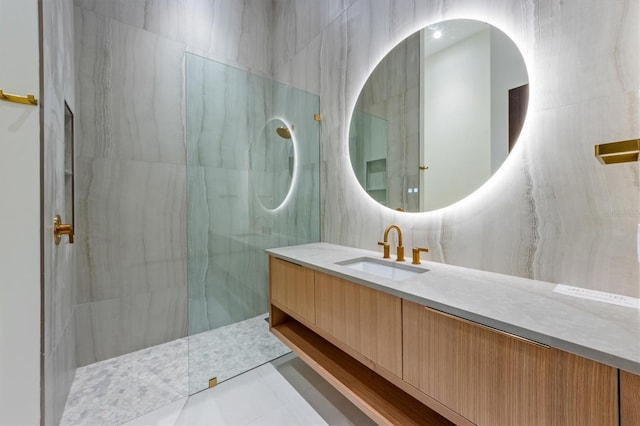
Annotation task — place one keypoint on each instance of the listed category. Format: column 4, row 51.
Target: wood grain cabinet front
column 487, row 377
column 367, row 320
column 467, row 372
column 629, row 399
column 292, row 289
column 493, row 378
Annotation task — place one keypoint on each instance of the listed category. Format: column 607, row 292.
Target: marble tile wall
column 552, row 212
column 59, row 86
column 132, row 212
column 130, row 188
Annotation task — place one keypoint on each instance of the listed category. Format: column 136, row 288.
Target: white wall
column 20, row 216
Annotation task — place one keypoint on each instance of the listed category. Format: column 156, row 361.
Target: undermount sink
column 394, row 271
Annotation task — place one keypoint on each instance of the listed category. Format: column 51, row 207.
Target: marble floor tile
column 116, row 390
column 119, row 389
column 228, row 351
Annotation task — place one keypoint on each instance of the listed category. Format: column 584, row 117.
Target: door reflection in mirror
column 437, row 117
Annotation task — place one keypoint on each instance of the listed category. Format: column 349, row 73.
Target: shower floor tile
column 119, row 389
column 231, row 350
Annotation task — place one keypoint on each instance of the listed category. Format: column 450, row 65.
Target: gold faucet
column 416, row 254
column 385, row 243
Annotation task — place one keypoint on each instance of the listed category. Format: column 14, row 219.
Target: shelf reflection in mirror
column 438, row 116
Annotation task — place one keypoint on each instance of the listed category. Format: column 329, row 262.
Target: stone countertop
column 600, row 331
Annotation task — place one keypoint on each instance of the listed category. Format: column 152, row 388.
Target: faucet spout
column 400, row 249
column 389, row 228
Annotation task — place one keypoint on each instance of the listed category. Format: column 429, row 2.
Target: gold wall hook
column 27, row 100
column 60, row 229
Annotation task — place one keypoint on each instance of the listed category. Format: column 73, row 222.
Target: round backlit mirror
column 438, row 115
column 271, row 163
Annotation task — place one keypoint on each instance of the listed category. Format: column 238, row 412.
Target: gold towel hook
column 27, row 100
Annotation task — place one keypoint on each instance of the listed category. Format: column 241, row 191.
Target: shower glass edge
column 242, row 198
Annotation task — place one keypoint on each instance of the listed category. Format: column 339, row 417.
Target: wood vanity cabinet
column 493, row 378
column 366, row 320
column 292, row 289
column 418, row 357
column 487, row 377
column 629, row 399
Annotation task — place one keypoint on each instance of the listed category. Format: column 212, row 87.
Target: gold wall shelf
column 27, row 100
column 618, row 152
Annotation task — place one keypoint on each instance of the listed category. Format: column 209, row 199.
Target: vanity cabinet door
column 368, row 321
column 493, row 378
column 486, row 376
column 583, row 392
column 629, row 399
column 291, row 289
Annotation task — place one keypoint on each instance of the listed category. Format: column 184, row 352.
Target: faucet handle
column 416, row 254
column 385, row 249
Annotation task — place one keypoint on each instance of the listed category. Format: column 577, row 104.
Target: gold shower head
column 283, row 132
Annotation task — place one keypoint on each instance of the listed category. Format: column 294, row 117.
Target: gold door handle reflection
column 60, row 229
column 423, row 167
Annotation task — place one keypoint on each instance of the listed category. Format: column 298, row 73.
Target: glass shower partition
column 252, row 184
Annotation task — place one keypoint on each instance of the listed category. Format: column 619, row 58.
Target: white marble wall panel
column 297, row 23
column 301, row 70
column 59, row 260
column 162, row 17
column 298, row 37
column 551, row 212
column 60, row 367
column 586, row 212
column 601, row 63
column 108, row 328
column 132, row 214
column 236, row 32
column 131, row 83
column 131, row 183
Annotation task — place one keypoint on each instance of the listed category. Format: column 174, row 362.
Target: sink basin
column 394, row 271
